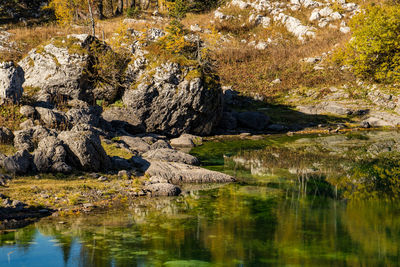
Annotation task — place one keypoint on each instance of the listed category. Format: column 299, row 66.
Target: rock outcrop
column 58, row 67
column 84, row 150
column 50, row 156
column 11, row 80
column 170, row 102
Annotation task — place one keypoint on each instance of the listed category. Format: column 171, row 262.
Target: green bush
column 133, row 12
column 374, row 51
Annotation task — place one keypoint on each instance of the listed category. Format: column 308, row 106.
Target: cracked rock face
column 11, row 80
column 85, row 151
column 50, row 156
column 56, row 69
column 168, row 103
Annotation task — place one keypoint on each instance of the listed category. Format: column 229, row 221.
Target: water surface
column 270, row 218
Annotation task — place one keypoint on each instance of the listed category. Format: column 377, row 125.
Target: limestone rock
column 171, row 155
column 18, row 164
column 182, row 173
column 135, row 143
column 85, row 151
column 50, row 156
column 166, row 102
column 163, row 189
column 11, row 80
column 186, row 141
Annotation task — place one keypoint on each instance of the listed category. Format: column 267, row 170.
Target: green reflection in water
column 228, row 226
column 261, row 221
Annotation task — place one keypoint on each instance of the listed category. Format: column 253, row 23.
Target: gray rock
column 89, row 115
column 56, row 69
column 171, row 155
column 182, row 173
column 163, row 189
column 52, row 118
column 186, row 141
column 157, row 179
column 102, row 179
column 120, row 163
column 135, row 143
column 125, row 174
column 160, row 144
column 28, row 124
column 6, row 136
column 27, row 138
column 167, row 103
column 27, row 111
column 365, row 124
column 20, row 163
column 123, row 118
column 51, row 155
column 11, row 80
column 85, row 151
column 252, row 120
column 23, row 140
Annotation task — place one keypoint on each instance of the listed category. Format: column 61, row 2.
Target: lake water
column 272, row 217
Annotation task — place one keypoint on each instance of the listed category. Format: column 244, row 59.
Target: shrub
column 133, row 12
column 374, row 51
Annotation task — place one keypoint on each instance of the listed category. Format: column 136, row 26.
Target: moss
column 113, row 151
column 10, row 116
column 31, row 62
column 72, row 44
column 7, row 149
column 193, row 74
column 118, row 104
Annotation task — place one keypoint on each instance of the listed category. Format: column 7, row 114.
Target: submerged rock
column 163, row 189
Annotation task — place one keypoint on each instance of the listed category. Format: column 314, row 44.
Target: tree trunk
column 92, row 19
column 133, row 3
column 100, row 9
column 120, row 8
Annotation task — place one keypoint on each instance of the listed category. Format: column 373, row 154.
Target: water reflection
column 229, row 226
column 262, row 222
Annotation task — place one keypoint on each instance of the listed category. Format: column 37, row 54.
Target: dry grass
column 252, row 71
column 10, row 116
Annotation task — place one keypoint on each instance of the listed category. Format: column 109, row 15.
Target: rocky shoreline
column 114, row 131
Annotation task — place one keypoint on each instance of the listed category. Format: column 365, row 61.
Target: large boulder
column 172, row 99
column 50, row 156
column 58, row 67
column 135, row 143
column 52, row 118
column 20, row 163
column 28, row 138
column 11, row 80
column 85, row 151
